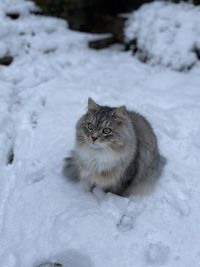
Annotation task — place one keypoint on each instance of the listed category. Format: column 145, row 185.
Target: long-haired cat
column 114, row 147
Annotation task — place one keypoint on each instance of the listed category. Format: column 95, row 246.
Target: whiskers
column 81, row 139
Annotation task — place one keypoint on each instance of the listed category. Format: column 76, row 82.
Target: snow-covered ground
column 43, row 92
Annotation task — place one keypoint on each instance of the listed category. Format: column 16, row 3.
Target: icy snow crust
column 43, row 216
column 166, row 33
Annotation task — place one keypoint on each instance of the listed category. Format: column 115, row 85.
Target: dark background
column 94, row 16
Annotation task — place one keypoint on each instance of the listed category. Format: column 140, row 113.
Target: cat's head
column 103, row 127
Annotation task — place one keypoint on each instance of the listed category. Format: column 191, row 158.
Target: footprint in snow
column 129, row 217
column 35, row 172
column 34, row 115
column 34, row 119
column 157, row 254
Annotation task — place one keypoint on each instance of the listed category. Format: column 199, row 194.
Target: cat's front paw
column 86, row 185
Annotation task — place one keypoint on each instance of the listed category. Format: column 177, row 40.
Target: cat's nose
column 94, row 138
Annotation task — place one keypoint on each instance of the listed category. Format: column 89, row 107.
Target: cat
column 114, row 148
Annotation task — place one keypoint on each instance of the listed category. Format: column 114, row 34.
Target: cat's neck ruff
column 100, row 159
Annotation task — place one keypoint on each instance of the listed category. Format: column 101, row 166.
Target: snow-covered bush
column 165, row 33
column 11, row 29
column 27, row 34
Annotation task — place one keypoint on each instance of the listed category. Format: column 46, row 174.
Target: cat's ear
column 120, row 112
column 92, row 106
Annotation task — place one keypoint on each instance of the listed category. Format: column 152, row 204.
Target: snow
column 166, row 33
column 46, row 218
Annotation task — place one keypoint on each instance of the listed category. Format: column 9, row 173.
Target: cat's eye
column 90, row 126
column 107, row 130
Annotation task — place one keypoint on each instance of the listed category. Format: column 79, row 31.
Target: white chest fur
column 99, row 160
column 96, row 162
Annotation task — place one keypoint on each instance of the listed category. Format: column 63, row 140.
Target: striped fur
column 115, row 160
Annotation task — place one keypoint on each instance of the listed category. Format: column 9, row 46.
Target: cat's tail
column 70, row 168
column 161, row 164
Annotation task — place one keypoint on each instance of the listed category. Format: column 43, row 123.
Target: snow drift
column 166, row 33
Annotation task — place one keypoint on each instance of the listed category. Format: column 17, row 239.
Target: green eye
column 90, row 126
column 107, row 130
